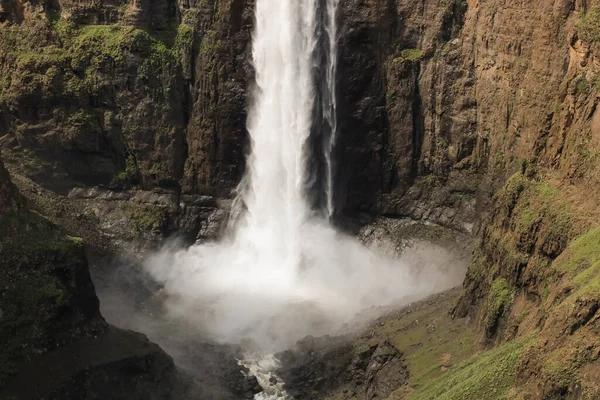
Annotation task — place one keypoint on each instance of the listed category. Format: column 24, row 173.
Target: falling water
column 329, row 100
column 279, row 125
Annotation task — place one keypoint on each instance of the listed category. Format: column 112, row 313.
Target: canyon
column 468, row 124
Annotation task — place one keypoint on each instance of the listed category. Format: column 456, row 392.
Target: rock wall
column 454, row 97
column 440, row 101
column 398, row 140
column 159, row 103
column 468, row 95
column 148, row 95
column 51, row 323
column 534, row 267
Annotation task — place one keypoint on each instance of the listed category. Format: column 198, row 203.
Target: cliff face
column 456, row 98
column 107, row 95
column 117, row 94
column 148, row 95
column 450, row 111
column 534, row 267
column 400, row 86
column 468, row 95
column 50, row 323
column 440, row 101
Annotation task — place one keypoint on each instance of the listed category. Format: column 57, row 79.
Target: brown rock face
column 162, row 89
column 148, row 95
column 411, row 119
column 218, row 71
column 442, row 101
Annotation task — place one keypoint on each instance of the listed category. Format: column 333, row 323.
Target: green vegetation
column 184, row 41
column 76, row 240
column 130, row 173
column 512, row 190
column 531, row 204
column 525, row 219
column 409, row 56
column 54, row 57
column 581, row 262
column 582, row 253
column 588, row 25
column 582, row 85
column 442, row 142
column 499, row 159
column 489, row 375
column 499, row 302
column 432, row 343
column 146, row 218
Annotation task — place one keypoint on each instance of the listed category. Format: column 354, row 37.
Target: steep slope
column 496, row 116
column 534, row 270
column 51, row 326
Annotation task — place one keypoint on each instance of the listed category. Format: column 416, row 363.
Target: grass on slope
column 431, row 344
column 489, row 375
column 431, row 341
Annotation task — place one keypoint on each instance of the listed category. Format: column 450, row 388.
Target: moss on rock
column 146, row 218
column 588, row 25
column 499, row 302
column 46, row 295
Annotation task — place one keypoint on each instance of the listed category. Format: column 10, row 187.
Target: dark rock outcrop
column 395, row 80
column 55, row 342
column 10, row 199
column 318, row 367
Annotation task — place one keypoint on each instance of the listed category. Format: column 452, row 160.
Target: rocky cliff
column 121, row 95
column 50, row 323
column 476, row 115
column 440, row 101
column 488, row 109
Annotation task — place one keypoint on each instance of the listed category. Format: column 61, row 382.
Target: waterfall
column 279, row 124
column 282, row 272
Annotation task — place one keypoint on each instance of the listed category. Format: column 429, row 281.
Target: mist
column 242, row 290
